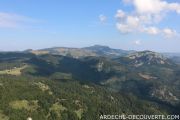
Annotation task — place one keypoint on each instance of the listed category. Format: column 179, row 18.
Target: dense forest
column 55, row 87
column 41, row 99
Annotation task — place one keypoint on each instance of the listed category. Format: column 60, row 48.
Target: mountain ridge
column 95, row 50
column 87, row 85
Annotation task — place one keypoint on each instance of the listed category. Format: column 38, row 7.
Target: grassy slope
column 13, row 71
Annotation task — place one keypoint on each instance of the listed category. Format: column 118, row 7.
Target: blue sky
column 123, row 24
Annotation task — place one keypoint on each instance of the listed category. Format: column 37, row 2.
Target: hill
column 50, row 86
column 96, row 50
column 107, row 51
column 43, row 99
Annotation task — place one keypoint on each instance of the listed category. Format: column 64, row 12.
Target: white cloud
column 152, row 30
column 169, row 32
column 133, row 21
column 153, row 6
column 126, row 23
column 123, row 28
column 102, row 18
column 120, row 14
column 127, row 1
column 137, row 42
column 155, row 9
column 149, row 6
column 147, row 15
column 174, row 7
column 10, row 20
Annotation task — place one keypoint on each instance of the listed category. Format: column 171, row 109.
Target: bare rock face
column 100, row 66
column 147, row 57
column 164, row 94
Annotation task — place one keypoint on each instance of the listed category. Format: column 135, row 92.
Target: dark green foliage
column 72, row 95
column 71, row 89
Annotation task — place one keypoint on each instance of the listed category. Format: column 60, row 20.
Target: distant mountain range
column 146, row 76
column 120, row 69
column 96, row 50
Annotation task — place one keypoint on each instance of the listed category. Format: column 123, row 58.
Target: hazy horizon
column 84, row 47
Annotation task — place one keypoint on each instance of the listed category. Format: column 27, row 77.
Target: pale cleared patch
column 14, row 71
column 138, row 65
column 91, row 89
column 39, row 52
column 100, row 66
column 44, row 87
column 24, row 104
column 57, row 108
column 146, row 76
column 79, row 113
column 113, row 80
column 164, row 94
column 86, row 86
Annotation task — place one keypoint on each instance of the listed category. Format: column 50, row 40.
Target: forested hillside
column 54, row 87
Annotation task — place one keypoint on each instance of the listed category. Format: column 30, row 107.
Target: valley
column 63, row 86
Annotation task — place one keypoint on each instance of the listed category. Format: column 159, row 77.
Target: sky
column 123, row 24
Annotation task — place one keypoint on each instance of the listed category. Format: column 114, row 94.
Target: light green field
column 57, row 108
column 79, row 113
column 24, row 104
column 14, row 71
column 44, row 87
